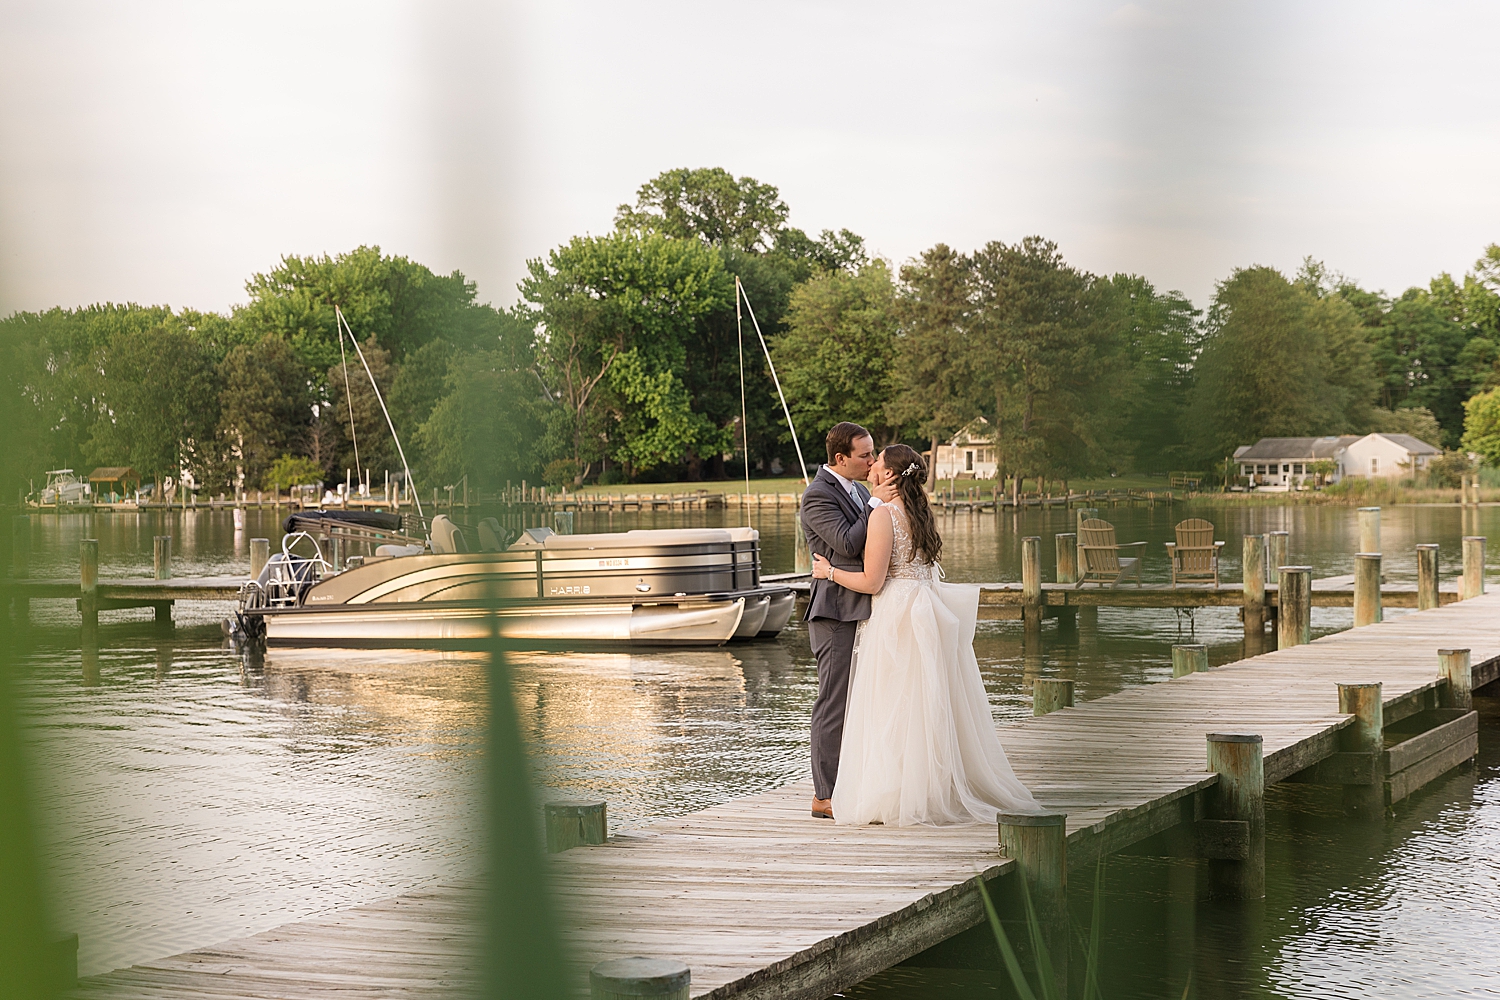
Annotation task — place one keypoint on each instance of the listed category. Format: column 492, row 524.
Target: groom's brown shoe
column 822, row 808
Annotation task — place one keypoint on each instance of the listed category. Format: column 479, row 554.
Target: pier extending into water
column 759, row 899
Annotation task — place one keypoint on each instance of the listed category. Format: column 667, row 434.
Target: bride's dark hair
column 911, row 486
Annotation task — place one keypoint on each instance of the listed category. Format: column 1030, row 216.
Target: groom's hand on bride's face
column 886, row 491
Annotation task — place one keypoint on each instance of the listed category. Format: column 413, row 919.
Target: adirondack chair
column 1099, row 556
column 1195, row 554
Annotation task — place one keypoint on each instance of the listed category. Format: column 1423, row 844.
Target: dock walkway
column 761, row 900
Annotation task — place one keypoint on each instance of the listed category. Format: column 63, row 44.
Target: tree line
column 623, row 360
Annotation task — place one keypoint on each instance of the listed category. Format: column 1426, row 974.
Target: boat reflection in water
column 684, row 586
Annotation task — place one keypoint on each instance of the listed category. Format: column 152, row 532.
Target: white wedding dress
column 919, row 744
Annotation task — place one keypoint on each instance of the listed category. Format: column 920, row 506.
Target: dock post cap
column 1032, row 819
column 1282, row 532
column 640, row 976
column 573, row 806
column 1369, row 508
column 1234, row 738
column 1367, row 555
column 1189, row 645
column 1428, row 545
column 1451, row 652
column 1295, row 569
column 1475, row 538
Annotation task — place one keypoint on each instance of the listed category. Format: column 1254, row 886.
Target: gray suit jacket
column 835, row 527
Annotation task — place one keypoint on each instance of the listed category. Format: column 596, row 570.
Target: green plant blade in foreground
column 1012, row 965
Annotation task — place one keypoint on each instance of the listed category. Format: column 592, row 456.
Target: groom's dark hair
column 842, row 437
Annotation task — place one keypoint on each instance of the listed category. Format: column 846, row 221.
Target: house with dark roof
column 1289, row 462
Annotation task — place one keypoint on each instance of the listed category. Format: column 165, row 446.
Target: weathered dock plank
column 761, row 900
column 203, row 588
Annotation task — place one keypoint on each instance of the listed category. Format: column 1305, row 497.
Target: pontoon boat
column 690, row 586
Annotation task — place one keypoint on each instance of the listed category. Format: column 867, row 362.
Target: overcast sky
column 162, row 152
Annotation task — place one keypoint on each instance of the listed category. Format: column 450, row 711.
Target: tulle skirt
column 920, row 745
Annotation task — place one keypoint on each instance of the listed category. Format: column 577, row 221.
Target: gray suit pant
column 833, row 645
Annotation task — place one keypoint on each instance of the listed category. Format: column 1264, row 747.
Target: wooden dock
column 1007, row 600
column 761, row 900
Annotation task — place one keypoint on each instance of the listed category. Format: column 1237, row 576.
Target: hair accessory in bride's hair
column 910, row 469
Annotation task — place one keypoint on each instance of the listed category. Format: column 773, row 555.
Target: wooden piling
column 20, row 561
column 1031, row 584
column 803, row 555
column 1189, row 658
column 570, row 824
column 1253, row 572
column 1366, row 589
column 1427, row 576
column 1239, row 796
column 1048, row 694
column 88, row 601
column 260, row 554
column 1039, row 844
column 1067, row 557
column 1472, row 584
column 1294, row 607
column 640, row 978
column 1454, row 667
column 161, row 557
column 1369, row 529
column 1276, row 546
column 1365, row 737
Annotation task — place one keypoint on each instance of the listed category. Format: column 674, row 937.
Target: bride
column 919, row 743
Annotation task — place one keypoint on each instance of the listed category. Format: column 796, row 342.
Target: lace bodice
column 904, row 562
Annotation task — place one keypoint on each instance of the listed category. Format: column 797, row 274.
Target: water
column 190, row 797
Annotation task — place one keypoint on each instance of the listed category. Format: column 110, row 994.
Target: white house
column 1284, row 463
column 1388, row 455
column 969, row 454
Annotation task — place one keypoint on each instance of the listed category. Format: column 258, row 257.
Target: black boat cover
column 316, row 520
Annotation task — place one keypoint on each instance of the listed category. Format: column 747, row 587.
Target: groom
column 835, row 509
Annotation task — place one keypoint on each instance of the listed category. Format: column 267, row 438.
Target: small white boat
column 63, row 487
column 656, row 587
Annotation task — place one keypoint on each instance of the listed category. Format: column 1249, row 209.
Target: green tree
column 933, row 392
column 398, row 302
column 265, row 405
column 599, row 299
column 836, row 357
column 1154, row 336
column 1482, row 425
column 1263, row 367
column 487, row 425
column 368, row 434
column 744, row 221
column 1417, row 350
column 158, row 398
column 1414, row 420
column 1041, row 336
column 708, row 204
column 291, row 470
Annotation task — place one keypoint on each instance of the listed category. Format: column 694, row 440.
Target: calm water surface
column 190, row 796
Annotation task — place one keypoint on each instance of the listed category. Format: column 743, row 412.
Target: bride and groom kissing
column 901, row 728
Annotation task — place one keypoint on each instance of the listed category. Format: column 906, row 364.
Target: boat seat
column 446, row 537
column 399, row 550
column 491, row 536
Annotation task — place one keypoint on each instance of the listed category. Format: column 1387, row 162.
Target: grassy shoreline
column 1366, row 495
